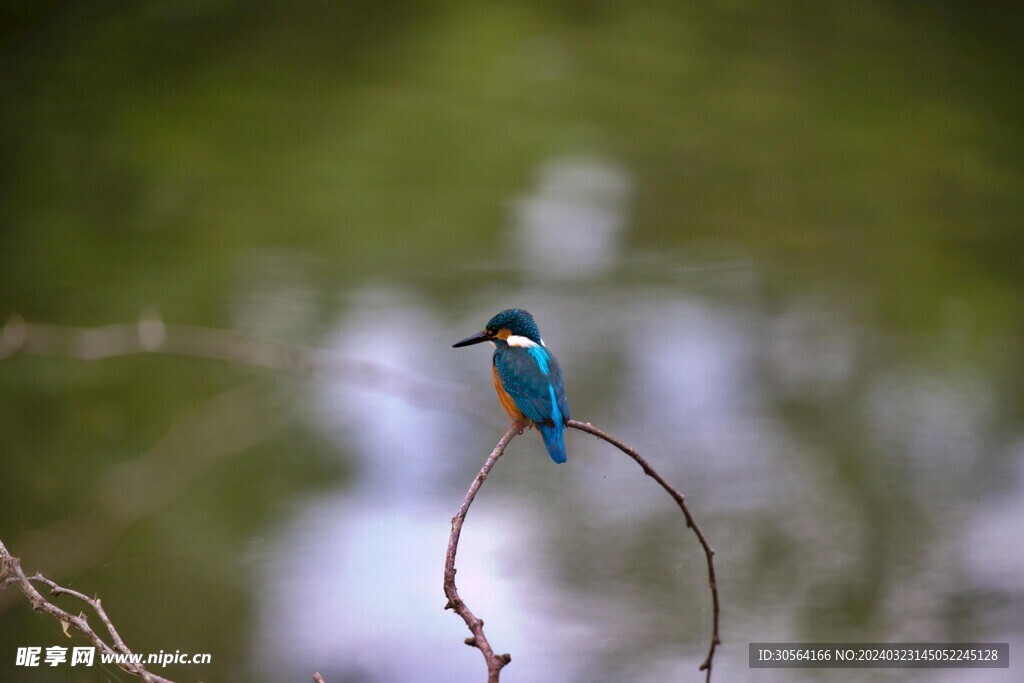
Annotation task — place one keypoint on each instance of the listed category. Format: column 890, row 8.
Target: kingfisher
column 526, row 376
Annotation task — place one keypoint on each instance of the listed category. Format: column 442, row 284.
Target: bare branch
column 13, row 574
column 475, row 624
column 496, row 662
column 152, row 335
column 709, row 552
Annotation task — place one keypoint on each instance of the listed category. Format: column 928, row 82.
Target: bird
column 526, row 376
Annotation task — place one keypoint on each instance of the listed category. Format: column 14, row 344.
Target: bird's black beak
column 475, row 339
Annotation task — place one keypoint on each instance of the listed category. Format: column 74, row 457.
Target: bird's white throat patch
column 523, row 342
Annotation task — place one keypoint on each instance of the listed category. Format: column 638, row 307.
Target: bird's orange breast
column 506, row 401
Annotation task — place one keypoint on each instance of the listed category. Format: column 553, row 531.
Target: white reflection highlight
column 994, row 531
column 354, row 591
column 395, row 441
column 571, row 225
column 274, row 295
column 693, row 368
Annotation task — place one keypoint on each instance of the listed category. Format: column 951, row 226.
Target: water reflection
column 776, row 249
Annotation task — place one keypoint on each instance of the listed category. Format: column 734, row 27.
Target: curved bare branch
column 709, row 552
column 478, row 640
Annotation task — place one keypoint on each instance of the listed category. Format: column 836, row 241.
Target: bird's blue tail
column 554, row 440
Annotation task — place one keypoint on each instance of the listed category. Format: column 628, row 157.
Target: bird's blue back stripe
column 556, row 414
column 541, row 356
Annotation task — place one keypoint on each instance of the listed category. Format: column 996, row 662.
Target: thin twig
column 153, row 336
column 709, row 552
column 13, row 574
column 475, row 624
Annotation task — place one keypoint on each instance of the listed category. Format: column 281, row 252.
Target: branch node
column 17, row 577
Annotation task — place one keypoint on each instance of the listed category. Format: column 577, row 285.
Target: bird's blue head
column 514, row 323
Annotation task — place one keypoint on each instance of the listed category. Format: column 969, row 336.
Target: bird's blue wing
column 532, row 378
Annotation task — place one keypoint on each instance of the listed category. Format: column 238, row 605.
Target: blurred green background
column 776, row 246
